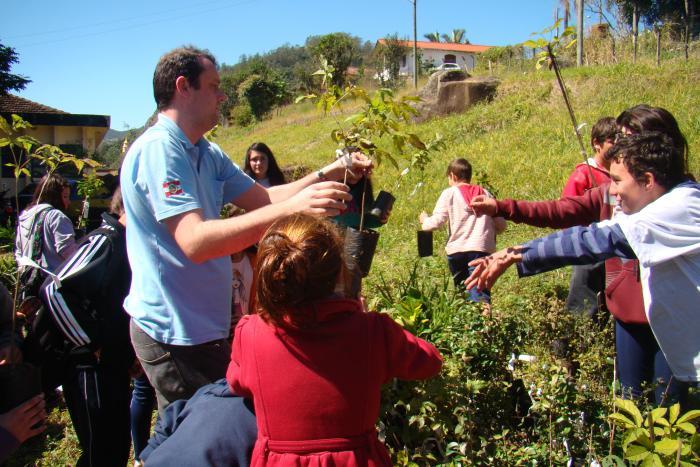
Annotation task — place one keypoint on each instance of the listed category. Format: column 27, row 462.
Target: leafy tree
column 262, row 93
column 10, row 81
column 339, row 50
column 389, row 57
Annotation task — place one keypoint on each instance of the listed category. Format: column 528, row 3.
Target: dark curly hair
column 300, row 260
column 643, row 117
column 274, row 174
column 650, row 152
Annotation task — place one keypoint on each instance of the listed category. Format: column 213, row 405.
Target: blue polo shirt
column 174, row 300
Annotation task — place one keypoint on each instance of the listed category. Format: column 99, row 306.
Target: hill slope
column 522, row 142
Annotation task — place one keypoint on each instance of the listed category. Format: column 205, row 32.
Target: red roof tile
column 18, row 105
column 447, row 46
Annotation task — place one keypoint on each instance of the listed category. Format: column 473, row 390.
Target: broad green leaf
column 415, row 141
column 618, row 417
column 636, row 435
column 530, row 43
column 652, row 460
column 636, row 453
column 4, row 142
column 673, row 413
column 687, row 427
column 688, row 416
column 667, row 446
column 628, row 406
column 658, row 413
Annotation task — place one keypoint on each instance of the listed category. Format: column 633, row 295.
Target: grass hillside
column 521, row 143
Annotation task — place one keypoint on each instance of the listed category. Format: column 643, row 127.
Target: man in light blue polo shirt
column 174, row 183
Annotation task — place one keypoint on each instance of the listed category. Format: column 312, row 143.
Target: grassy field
column 521, row 145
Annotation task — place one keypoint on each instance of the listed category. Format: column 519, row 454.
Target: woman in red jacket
column 312, row 359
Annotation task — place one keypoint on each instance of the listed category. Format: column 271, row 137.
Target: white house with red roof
column 437, row 53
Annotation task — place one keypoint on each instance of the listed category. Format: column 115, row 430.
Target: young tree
column 10, row 81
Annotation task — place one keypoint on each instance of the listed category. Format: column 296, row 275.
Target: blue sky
column 98, row 57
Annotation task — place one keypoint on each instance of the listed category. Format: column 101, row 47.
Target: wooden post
column 658, row 46
column 688, row 19
column 415, row 47
column 635, row 30
column 579, row 32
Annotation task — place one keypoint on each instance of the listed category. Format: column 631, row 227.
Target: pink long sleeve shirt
column 467, row 231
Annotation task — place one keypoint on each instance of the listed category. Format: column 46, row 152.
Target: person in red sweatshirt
column 312, row 359
column 588, row 281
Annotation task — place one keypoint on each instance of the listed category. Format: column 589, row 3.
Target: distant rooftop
column 40, row 114
column 16, row 105
column 447, row 46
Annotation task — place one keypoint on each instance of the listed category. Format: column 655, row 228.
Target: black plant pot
column 425, row 243
column 382, row 206
column 360, row 247
column 19, row 382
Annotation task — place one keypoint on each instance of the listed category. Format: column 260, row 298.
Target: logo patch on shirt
column 172, row 188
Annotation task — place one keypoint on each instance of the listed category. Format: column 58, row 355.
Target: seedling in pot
column 382, row 116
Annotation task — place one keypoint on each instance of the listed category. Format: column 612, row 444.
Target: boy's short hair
column 460, row 168
column 604, row 130
column 653, row 152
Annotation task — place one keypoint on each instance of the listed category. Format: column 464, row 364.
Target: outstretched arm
column 578, row 245
column 557, row 214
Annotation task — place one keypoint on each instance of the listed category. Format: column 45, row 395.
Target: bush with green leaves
column 661, row 437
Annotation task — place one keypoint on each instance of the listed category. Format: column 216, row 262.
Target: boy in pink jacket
column 471, row 236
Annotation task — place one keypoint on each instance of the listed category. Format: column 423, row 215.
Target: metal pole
column 579, row 32
column 415, row 47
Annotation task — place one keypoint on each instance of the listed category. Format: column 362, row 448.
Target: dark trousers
column 143, row 401
column 460, row 269
column 640, row 362
column 97, row 396
column 177, row 371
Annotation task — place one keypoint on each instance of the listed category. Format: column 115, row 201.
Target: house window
column 403, row 62
column 449, row 58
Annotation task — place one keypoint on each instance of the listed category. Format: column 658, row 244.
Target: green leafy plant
column 661, row 437
column 89, row 186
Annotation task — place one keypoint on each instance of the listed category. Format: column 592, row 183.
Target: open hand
column 483, row 204
column 321, row 199
column 488, row 269
column 21, row 420
column 357, row 166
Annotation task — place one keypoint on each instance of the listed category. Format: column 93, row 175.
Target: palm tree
column 457, row 37
column 433, row 36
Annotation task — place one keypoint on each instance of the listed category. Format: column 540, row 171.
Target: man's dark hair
column 460, row 168
column 653, row 152
column 184, row 61
column 604, row 130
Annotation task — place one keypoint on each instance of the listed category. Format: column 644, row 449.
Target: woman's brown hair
column 300, row 259
column 49, row 190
